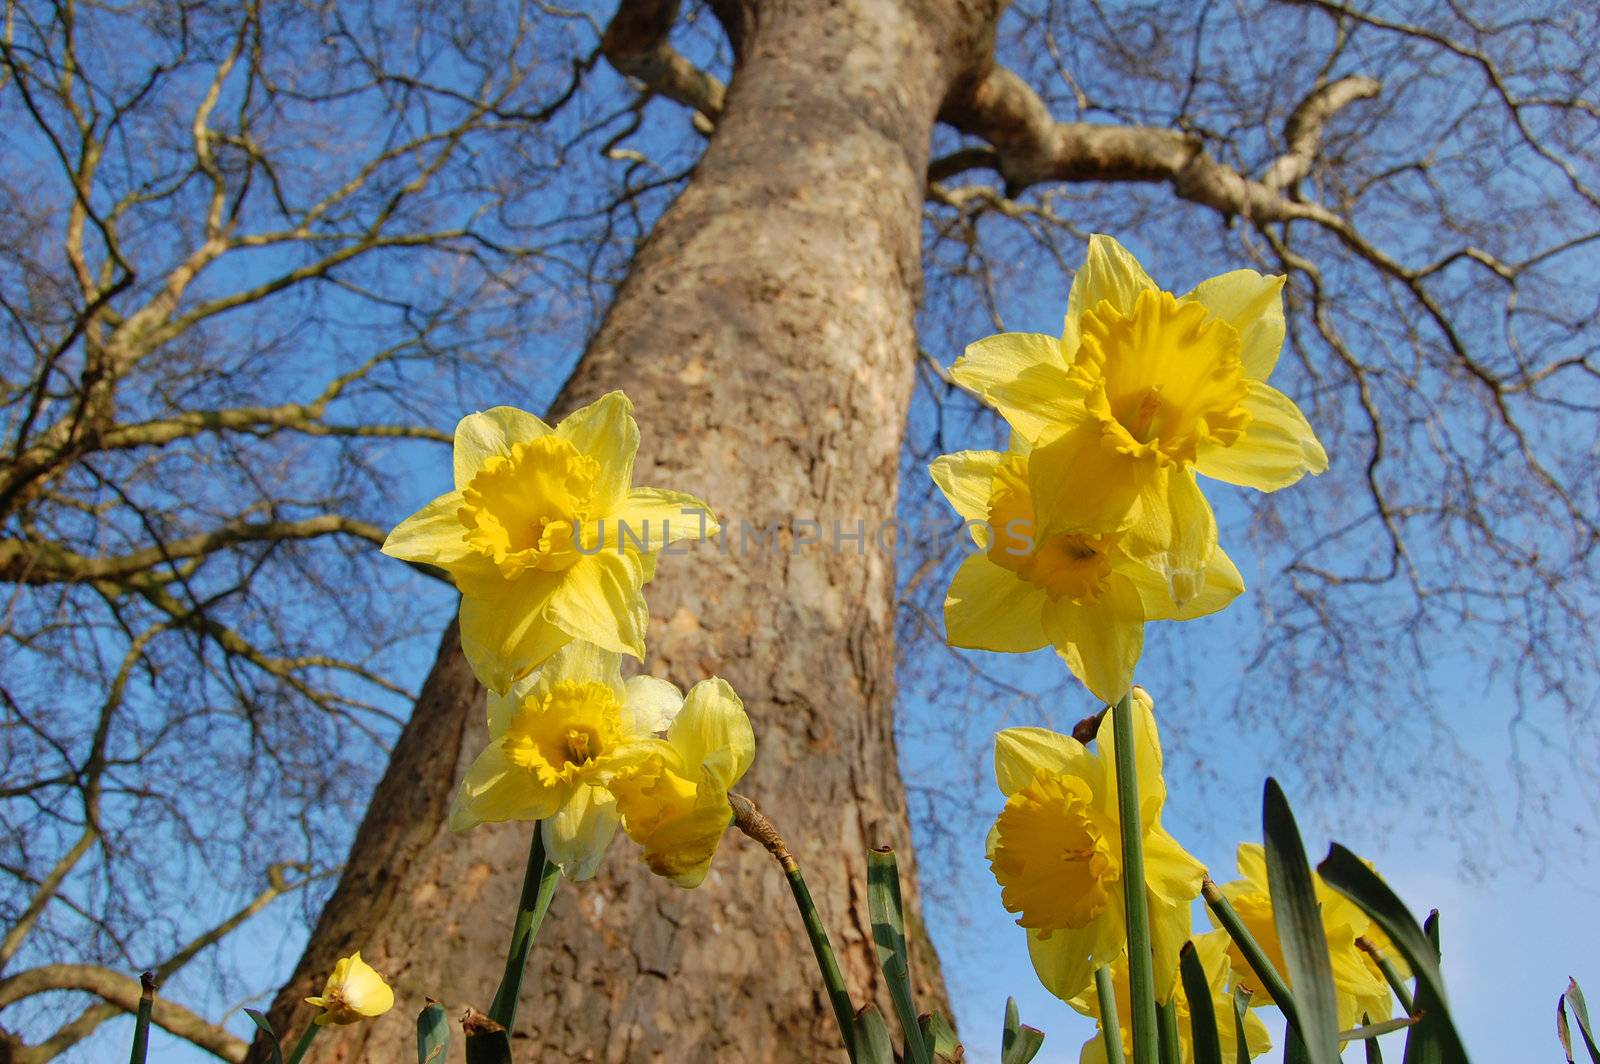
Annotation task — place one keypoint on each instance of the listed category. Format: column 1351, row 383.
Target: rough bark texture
column 766, row 336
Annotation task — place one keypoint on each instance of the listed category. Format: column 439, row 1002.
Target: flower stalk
column 141, row 1023
column 1141, row 965
column 1110, row 1022
column 1397, row 983
column 1254, row 955
column 538, row 887
column 754, row 824
column 301, row 1047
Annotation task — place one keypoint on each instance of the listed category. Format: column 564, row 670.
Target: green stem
column 1141, row 973
column 1110, row 1023
column 304, row 1044
column 1167, row 1021
column 141, row 1023
column 1402, row 992
column 538, row 887
column 1254, row 955
column 754, row 824
column 832, row 977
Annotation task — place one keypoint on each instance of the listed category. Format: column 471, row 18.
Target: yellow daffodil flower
column 674, row 794
column 1056, row 852
column 546, row 537
column 354, row 993
column 1212, row 950
column 555, row 739
column 1358, row 984
column 1142, row 390
column 1084, row 594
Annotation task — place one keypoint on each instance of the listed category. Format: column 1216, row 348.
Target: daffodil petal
column 648, row 519
column 599, row 600
column 364, row 989
column 966, row 478
column 1253, row 304
column 1100, row 642
column 504, row 630
column 1110, row 273
column 605, row 430
column 652, row 704
column 576, row 837
column 1079, row 484
column 582, row 661
column 1065, row 960
column 1278, row 446
column 712, row 731
column 1175, row 532
column 495, row 790
column 990, row 608
column 681, row 851
column 433, row 535
column 482, row 436
column 1024, row 377
column 1222, row 584
column 1020, row 754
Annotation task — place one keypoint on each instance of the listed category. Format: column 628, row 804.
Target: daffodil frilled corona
column 354, row 993
column 555, row 740
column 1083, row 593
column 1056, row 852
column 1358, row 984
column 1142, row 390
column 545, row 535
column 1212, row 951
column 673, row 796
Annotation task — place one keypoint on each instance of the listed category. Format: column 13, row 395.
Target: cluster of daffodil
column 1088, row 525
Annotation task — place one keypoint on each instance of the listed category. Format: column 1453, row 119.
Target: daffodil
column 1212, row 951
column 555, row 739
column 1358, row 984
column 1083, row 593
column 673, row 796
column 354, row 993
column 1142, row 390
column 1056, row 852
column 546, row 537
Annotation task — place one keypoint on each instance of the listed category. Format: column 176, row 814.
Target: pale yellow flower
column 546, row 537
column 354, row 993
column 1084, row 594
column 1056, row 852
column 555, row 740
column 1358, row 984
column 674, row 795
column 1142, row 390
column 1212, row 951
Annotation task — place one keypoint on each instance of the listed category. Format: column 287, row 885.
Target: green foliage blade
column 1298, row 919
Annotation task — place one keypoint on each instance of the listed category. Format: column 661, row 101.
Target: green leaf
column 488, row 1042
column 1435, row 1036
column 1580, row 1010
column 1370, row 1031
column 939, row 1037
column 872, row 1038
column 1019, row 1043
column 433, row 1034
column 1374, row 1054
column 889, row 935
column 1241, row 1006
column 1202, row 1013
column 261, row 1021
column 1298, row 919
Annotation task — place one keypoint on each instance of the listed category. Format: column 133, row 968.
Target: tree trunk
column 766, row 336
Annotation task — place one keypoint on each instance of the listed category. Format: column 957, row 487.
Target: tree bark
column 766, row 336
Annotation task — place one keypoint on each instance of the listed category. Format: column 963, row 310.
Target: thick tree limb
column 1031, row 147
column 636, row 45
column 118, row 993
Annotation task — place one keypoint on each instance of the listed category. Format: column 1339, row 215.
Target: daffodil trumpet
column 754, row 824
column 538, row 887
